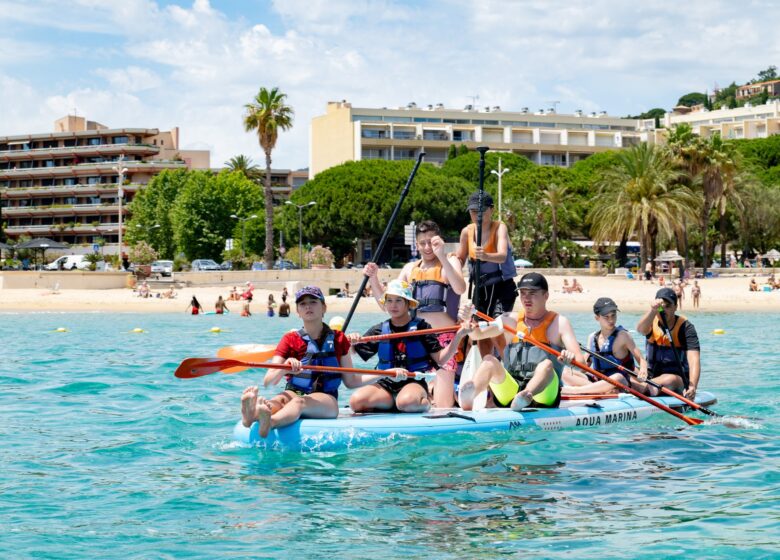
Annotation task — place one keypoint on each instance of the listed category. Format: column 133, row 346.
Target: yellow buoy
column 61, row 329
column 718, row 331
column 137, row 330
column 337, row 323
column 216, row 329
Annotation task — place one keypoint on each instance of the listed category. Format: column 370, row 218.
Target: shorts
column 504, row 392
column 497, row 299
column 444, row 340
column 648, row 275
column 394, row 387
column 302, row 393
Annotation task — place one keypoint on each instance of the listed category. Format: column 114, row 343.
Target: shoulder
column 422, row 324
column 406, row 271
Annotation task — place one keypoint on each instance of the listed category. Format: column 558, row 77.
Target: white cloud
column 132, row 78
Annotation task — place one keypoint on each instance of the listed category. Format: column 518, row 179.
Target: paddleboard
column 351, row 430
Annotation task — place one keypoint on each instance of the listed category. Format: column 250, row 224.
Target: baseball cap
column 533, row 281
column 667, row 294
column 312, row 291
column 401, row 289
column 604, row 306
column 487, row 201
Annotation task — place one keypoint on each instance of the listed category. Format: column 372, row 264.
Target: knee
column 357, row 403
column 297, row 403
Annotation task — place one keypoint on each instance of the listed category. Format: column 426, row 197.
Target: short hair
column 426, row 226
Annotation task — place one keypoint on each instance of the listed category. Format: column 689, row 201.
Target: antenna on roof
column 474, row 99
column 554, row 105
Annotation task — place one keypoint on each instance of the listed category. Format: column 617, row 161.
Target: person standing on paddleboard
column 673, row 350
column 312, row 396
column 611, row 343
column 528, row 376
column 421, row 354
column 437, row 283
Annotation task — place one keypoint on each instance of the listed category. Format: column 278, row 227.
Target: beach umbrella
column 41, row 243
column 522, row 263
column 5, row 246
column 773, row 255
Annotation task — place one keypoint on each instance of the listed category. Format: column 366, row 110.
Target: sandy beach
column 728, row 294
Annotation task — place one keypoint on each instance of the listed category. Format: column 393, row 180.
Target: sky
column 195, row 64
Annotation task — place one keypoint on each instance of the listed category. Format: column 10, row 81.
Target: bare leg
column 444, row 389
column 537, row 384
column 249, row 406
column 371, row 397
column 572, row 377
column 412, row 398
column 669, row 380
column 490, row 370
column 314, row 405
column 596, row 388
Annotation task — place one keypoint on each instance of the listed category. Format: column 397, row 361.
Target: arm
column 371, row 270
column 502, row 247
column 645, row 324
column 631, row 346
column 452, row 270
column 462, row 254
column 273, row 376
column 694, row 370
column 568, row 339
column 443, row 356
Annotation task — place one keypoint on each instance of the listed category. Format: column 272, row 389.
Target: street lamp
column 499, row 173
column 243, row 230
column 300, row 208
column 147, row 228
column 120, row 170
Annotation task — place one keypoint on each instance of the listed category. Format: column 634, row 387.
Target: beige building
column 772, row 87
column 346, row 133
column 64, row 185
column 757, row 121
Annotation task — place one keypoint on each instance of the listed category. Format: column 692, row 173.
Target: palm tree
column 267, row 115
column 641, row 196
column 553, row 197
column 244, row 165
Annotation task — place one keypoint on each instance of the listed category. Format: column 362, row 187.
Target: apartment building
column 346, row 133
column 750, row 121
column 772, row 87
column 64, row 184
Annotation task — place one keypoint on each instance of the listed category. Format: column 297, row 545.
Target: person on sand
column 437, row 284
column 528, row 375
column 610, row 343
column 696, row 294
column 576, row 286
column 194, row 307
column 753, row 285
column 566, row 287
column 665, row 356
column 419, row 354
column 679, row 291
column 649, row 271
column 284, row 307
column 248, row 292
column 233, row 295
column 271, row 305
column 220, row 308
column 315, row 396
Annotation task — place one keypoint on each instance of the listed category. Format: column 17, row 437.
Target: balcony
column 58, row 230
column 80, row 189
column 105, row 150
column 109, row 208
column 436, row 136
column 90, row 168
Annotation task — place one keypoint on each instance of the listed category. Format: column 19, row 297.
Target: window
column 372, row 133
column 93, row 180
column 93, row 141
column 119, row 140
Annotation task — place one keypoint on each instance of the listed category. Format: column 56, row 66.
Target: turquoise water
column 105, row 454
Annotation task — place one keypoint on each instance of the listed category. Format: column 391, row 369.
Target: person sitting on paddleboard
column 313, row 396
column 665, row 357
column 610, row 343
column 400, row 356
column 528, row 376
column 437, row 283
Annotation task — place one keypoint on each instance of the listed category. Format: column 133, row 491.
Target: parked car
column 226, row 265
column 69, row 262
column 258, row 265
column 633, row 262
column 284, row 265
column 162, row 268
column 202, row 265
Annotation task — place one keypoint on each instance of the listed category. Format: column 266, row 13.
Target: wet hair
column 426, row 226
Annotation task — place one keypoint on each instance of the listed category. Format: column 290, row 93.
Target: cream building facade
column 346, row 133
column 64, row 185
column 759, row 121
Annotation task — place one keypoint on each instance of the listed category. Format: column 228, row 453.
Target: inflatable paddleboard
column 351, row 430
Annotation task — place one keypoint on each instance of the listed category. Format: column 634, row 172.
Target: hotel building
column 757, row 121
column 64, row 185
column 346, row 133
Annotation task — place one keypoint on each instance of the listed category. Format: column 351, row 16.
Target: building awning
column 18, row 142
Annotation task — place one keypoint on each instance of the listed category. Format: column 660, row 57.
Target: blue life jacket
column 602, row 365
column 417, row 357
column 319, row 381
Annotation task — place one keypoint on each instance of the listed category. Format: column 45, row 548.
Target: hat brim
column 607, row 309
column 413, row 303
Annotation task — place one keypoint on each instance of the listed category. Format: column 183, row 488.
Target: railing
column 107, row 164
column 83, row 148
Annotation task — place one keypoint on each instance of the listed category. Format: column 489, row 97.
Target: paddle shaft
column 385, row 235
column 661, row 388
column 480, row 211
column 584, row 367
column 378, row 337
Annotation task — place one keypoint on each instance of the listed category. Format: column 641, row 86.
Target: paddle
column 198, row 367
column 385, row 235
column 661, row 388
column 584, row 367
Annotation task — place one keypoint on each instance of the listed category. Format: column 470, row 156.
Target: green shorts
column 504, row 392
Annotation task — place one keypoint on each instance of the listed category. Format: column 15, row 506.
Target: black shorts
column 498, row 298
column 394, row 387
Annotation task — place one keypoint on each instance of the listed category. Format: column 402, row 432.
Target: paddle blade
column 198, row 367
column 470, row 366
column 246, row 353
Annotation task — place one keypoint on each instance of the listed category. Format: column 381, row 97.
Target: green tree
column 452, row 153
column 467, row 166
column 693, row 98
column 267, row 115
column 641, row 196
column 766, row 75
column 244, row 165
column 463, row 150
column 554, row 197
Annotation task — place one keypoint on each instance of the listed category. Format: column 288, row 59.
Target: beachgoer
column 665, row 356
column 143, row 290
column 753, row 285
column 245, row 309
column 610, row 343
column 315, row 396
column 423, row 353
column 679, row 292
column 271, row 305
column 576, row 286
column 194, row 307
column 649, row 271
column 528, row 376
column 125, row 262
column 220, row 308
column 345, row 292
column 233, row 295
column 497, row 268
column 437, row 284
column 247, row 295
column 169, row 293
column 285, row 294
column 284, row 307
column 566, row 287
column 696, row 294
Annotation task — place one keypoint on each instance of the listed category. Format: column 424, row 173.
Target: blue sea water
column 104, row 454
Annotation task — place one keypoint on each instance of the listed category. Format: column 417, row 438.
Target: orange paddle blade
column 246, row 353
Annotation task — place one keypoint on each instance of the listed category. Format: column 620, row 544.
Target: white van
column 67, row 262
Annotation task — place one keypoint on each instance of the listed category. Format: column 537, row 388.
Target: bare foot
column 264, row 418
column 466, row 395
column 521, row 400
column 249, row 406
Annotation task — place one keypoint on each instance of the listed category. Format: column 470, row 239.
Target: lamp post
column 120, row 170
column 147, row 228
column 300, row 208
column 243, row 230
column 499, row 173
